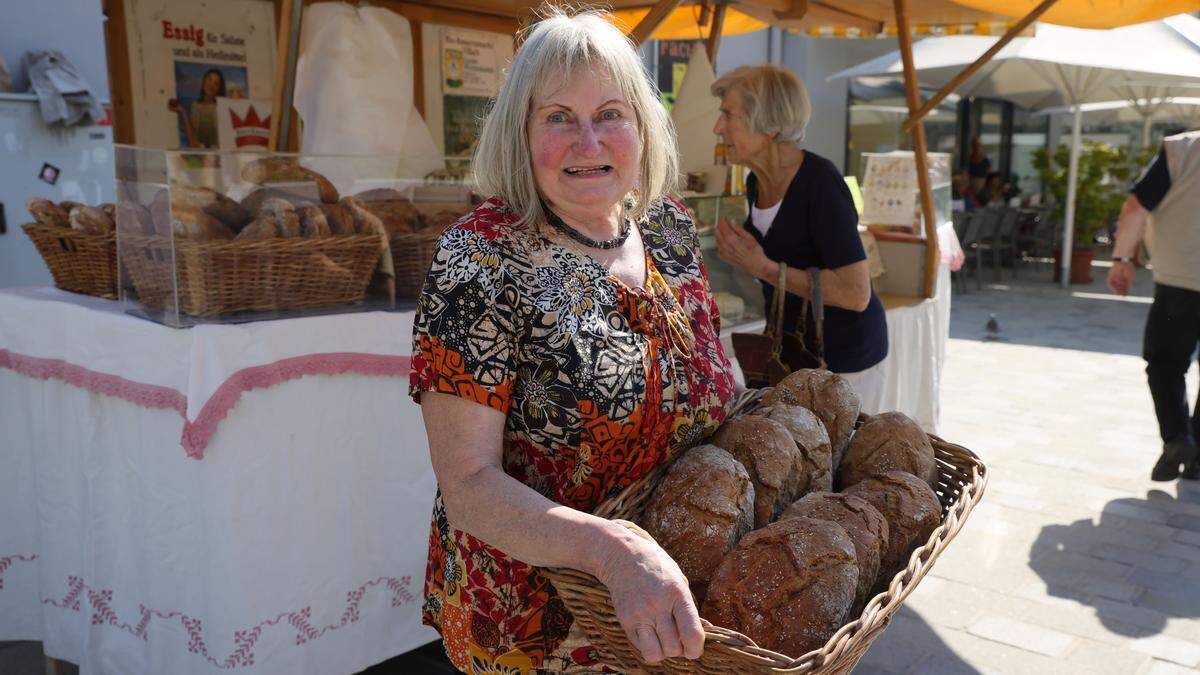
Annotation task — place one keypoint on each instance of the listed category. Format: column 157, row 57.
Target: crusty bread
column 889, row 441
column 868, row 529
column 788, row 586
column 699, row 511
column 912, row 510
column 769, row 454
column 814, row 459
column 829, row 396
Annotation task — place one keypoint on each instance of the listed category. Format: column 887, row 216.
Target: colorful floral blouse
column 600, row 384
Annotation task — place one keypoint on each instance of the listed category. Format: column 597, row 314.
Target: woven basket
column 961, row 481
column 412, row 254
column 79, row 262
column 222, row 277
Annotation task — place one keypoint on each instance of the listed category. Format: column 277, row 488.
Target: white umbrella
column 1183, row 110
column 1058, row 66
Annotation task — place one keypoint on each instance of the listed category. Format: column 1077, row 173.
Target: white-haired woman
column 566, row 344
column 801, row 214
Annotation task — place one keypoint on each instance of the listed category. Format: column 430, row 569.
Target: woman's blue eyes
column 605, row 116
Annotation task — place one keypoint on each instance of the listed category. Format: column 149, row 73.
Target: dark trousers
column 1172, row 333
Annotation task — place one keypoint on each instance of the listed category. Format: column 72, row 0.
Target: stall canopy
column 1089, row 13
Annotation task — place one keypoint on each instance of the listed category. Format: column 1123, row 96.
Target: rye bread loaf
column 814, row 459
column 912, row 511
column 768, row 452
column 699, row 511
column 788, row 586
column 889, row 441
column 868, row 529
column 829, row 396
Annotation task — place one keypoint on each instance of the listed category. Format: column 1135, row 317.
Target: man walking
column 1170, row 191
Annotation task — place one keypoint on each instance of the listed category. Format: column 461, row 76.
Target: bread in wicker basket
column 77, row 243
column 962, row 478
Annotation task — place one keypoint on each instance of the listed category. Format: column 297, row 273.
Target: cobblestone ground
column 1075, row 562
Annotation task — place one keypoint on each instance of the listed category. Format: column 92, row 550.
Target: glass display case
column 242, row 236
column 738, row 295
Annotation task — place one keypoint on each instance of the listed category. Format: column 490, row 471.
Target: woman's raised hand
column 738, row 248
column 651, row 597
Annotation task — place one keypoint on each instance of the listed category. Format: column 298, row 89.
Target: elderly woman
column 801, row 214
column 566, row 344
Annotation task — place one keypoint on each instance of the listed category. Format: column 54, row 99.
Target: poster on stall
column 243, row 124
column 673, row 57
column 461, row 117
column 889, row 189
column 185, row 55
column 469, row 63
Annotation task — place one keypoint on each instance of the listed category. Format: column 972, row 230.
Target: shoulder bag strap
column 775, row 320
column 818, row 309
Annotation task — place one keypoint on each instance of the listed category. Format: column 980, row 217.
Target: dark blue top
column 979, row 169
column 817, row 225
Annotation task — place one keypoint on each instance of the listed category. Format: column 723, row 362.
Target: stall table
column 231, row 498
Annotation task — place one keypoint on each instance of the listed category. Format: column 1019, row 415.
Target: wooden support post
column 120, row 83
column 646, row 26
column 714, row 33
column 980, row 62
column 418, row 47
column 913, row 95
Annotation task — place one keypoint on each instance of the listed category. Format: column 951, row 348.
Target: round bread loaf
column 868, row 529
column 231, row 214
column 700, row 510
column 91, row 220
column 398, row 216
column 341, row 221
column 312, row 222
column 47, row 212
column 788, row 586
column 889, row 441
column 769, row 454
column 811, row 440
column 829, row 396
column 190, row 222
column 912, row 511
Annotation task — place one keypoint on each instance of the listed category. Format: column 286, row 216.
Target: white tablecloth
column 285, row 532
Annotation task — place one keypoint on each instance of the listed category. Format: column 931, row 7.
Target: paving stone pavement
column 1075, row 562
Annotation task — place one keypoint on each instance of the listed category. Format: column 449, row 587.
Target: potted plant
column 1105, row 175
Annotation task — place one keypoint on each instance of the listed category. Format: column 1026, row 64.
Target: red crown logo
column 250, row 130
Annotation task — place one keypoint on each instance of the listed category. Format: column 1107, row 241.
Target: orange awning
column 1088, row 13
column 684, row 23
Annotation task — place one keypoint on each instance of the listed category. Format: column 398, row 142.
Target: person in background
column 801, row 214
column 961, row 195
column 1170, row 191
column 993, row 190
column 978, row 165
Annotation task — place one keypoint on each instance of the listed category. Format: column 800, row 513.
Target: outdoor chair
column 1004, row 240
column 983, row 243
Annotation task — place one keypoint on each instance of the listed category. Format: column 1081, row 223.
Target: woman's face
column 211, row 85
column 744, row 144
column 585, row 144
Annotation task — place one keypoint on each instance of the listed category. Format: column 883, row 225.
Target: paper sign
column 243, row 124
column 469, row 63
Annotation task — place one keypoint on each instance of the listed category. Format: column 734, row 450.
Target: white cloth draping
column 297, row 544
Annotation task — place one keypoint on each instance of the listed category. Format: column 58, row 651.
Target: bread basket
column 962, row 478
column 79, row 262
column 214, row 278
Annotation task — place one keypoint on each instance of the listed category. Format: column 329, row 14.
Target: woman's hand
column 651, row 597
column 738, row 248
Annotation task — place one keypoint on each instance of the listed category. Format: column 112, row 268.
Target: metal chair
column 1004, row 240
column 987, row 220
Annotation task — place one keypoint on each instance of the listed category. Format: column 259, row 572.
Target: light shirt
column 761, row 219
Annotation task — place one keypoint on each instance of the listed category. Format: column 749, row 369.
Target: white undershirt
column 761, row 219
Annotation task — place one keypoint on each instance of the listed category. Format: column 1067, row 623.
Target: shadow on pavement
column 910, row 645
column 1130, row 578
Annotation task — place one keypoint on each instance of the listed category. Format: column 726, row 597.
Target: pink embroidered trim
column 145, row 395
column 100, row 601
column 7, row 560
column 196, row 434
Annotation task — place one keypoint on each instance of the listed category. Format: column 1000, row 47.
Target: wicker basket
column 79, row 262
column 961, row 481
column 412, row 254
column 222, row 277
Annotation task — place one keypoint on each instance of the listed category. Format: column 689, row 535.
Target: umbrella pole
column 1146, row 125
column 913, row 95
column 1072, row 179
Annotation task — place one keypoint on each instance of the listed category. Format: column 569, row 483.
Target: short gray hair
column 774, row 99
column 557, row 46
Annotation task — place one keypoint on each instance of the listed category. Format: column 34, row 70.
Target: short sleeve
column 1154, row 183
column 834, row 223
column 464, row 331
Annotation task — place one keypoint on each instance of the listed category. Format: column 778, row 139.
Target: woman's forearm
column 837, row 289
column 1131, row 227
column 510, row 516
